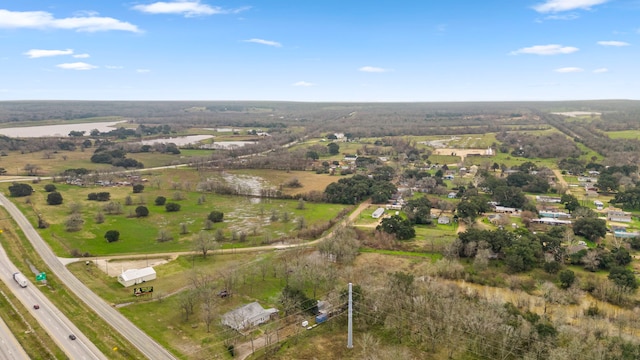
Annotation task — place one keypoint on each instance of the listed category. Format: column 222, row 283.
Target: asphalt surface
column 48, row 316
column 144, row 343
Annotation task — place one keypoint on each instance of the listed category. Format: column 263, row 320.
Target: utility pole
column 350, row 331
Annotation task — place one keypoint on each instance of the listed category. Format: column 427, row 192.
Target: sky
column 320, row 50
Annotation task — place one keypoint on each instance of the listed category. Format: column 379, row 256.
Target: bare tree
column 204, row 243
column 187, row 302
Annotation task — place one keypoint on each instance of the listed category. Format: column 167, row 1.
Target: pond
column 61, row 130
column 178, row 140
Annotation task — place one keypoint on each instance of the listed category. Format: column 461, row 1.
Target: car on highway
column 36, row 306
column 72, row 337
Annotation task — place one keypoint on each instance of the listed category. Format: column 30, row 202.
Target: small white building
column 249, row 315
column 599, row 204
column 376, row 214
column 136, row 276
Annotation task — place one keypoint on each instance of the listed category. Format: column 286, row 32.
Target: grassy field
column 626, row 134
column 139, row 235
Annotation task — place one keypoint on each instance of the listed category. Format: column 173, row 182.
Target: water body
column 62, row 130
column 178, row 140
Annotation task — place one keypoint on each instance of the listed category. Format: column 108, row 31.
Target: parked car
column 72, row 337
column 36, row 306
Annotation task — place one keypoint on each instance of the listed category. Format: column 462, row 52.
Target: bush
column 172, row 207
column 49, row 188
column 54, row 198
column 112, row 235
column 567, row 277
column 137, row 188
column 216, row 216
column 142, row 211
column 160, row 200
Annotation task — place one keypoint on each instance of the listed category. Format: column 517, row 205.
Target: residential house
column 618, row 216
column 247, row 316
column 378, row 213
column 444, row 220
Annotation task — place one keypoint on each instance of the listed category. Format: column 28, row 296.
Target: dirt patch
column 116, row 267
column 462, row 153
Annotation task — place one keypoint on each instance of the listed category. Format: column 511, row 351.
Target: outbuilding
column 249, row 315
column 136, row 276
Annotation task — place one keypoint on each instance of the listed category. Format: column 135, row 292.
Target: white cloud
column 186, row 8
column 601, row 70
column 569, row 70
column 303, row 84
column 38, row 53
column 77, row 66
column 81, row 56
column 143, row 71
column 264, row 42
column 613, row 43
column 562, row 17
column 553, row 6
column 45, row 20
column 552, row 49
column 373, row 69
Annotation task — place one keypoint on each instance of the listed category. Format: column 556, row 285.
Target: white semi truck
column 20, row 279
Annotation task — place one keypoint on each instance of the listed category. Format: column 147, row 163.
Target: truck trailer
column 20, row 279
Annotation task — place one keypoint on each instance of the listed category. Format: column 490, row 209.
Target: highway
column 145, row 344
column 48, row 316
column 10, row 349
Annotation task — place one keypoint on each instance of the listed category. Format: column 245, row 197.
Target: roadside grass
column 432, row 256
column 22, row 254
column 139, row 235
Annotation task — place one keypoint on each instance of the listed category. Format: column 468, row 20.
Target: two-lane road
column 144, row 343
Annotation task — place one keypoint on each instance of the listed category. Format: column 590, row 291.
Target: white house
column 136, row 276
column 249, row 315
column 599, row 204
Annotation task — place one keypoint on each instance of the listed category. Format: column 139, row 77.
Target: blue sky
column 323, row 50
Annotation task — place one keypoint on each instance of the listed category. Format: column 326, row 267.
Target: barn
column 136, row 276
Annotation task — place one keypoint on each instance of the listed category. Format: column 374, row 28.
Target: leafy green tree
column 112, row 235
column 592, row 229
column 523, row 254
column 621, row 256
column 623, row 278
column 567, row 277
column 509, row 196
column 401, row 228
column 216, row 216
column 160, row 200
column 630, row 199
column 20, row 189
column 570, row 202
column 54, row 198
column 607, row 183
column 49, row 188
column 142, row 211
column 334, row 149
column 418, row 210
column 313, row 155
column 138, row 188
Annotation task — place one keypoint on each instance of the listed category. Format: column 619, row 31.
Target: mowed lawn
column 261, row 220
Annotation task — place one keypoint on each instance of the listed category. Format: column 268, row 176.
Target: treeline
column 537, row 146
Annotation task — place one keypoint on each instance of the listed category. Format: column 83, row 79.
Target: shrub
column 49, row 188
column 137, row 188
column 160, row 200
column 54, row 198
column 172, row 207
column 216, row 216
column 112, row 235
column 142, row 211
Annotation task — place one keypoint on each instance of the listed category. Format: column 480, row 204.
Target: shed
column 249, row 315
column 444, row 220
column 136, row 276
column 376, row 214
